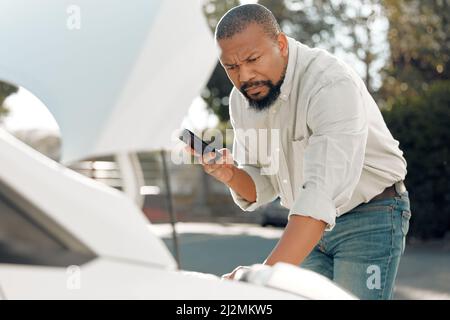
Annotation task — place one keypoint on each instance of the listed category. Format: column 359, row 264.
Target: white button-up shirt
column 331, row 146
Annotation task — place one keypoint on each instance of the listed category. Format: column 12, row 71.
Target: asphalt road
column 424, row 271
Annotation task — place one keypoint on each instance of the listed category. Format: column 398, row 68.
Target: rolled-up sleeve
column 334, row 157
column 265, row 192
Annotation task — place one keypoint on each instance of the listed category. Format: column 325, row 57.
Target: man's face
column 255, row 64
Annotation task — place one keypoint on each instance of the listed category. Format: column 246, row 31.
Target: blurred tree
column 365, row 25
column 422, row 125
column 419, row 42
column 416, row 94
column 310, row 22
column 5, row 90
column 218, row 87
column 215, row 9
column 346, row 27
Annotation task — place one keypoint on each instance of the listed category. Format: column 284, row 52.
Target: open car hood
column 117, row 76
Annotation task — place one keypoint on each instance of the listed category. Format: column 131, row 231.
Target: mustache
column 247, row 85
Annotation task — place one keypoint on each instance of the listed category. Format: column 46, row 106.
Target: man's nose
column 246, row 74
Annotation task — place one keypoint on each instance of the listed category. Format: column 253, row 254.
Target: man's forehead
column 240, row 52
column 242, row 44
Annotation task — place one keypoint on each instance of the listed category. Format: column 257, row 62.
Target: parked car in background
column 274, row 214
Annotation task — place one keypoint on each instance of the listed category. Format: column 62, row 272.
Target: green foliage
column 5, row 90
column 419, row 42
column 216, row 94
column 310, row 22
column 422, row 125
column 218, row 87
column 416, row 94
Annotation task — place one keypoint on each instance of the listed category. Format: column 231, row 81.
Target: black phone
column 197, row 144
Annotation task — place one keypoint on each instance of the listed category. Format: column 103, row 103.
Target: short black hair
column 238, row 18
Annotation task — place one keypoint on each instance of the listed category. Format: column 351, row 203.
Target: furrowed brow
column 229, row 65
column 249, row 56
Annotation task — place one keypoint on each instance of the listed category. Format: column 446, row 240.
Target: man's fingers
column 210, row 168
column 227, row 157
column 209, row 158
column 222, row 156
column 188, row 149
column 227, row 276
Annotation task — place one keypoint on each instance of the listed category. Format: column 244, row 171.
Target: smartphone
column 197, row 144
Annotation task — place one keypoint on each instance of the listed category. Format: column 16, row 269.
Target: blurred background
column 400, row 48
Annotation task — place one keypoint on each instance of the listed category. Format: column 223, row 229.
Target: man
column 340, row 171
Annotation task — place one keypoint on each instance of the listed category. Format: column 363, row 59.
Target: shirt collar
column 286, row 87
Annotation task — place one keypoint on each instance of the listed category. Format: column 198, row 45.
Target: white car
column 65, row 236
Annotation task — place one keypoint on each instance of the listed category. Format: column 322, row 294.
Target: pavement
column 424, row 271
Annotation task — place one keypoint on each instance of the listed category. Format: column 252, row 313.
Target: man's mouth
column 254, row 90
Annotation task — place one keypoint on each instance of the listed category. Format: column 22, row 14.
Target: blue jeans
column 362, row 252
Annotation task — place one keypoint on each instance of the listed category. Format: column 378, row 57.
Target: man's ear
column 283, row 44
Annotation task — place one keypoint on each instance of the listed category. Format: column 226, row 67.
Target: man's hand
column 232, row 275
column 221, row 169
column 225, row 171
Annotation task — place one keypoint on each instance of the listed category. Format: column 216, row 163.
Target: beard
column 266, row 101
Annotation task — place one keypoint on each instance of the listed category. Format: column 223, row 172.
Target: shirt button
column 285, row 181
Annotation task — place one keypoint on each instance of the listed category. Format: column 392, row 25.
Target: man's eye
column 253, row 59
column 231, row 67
